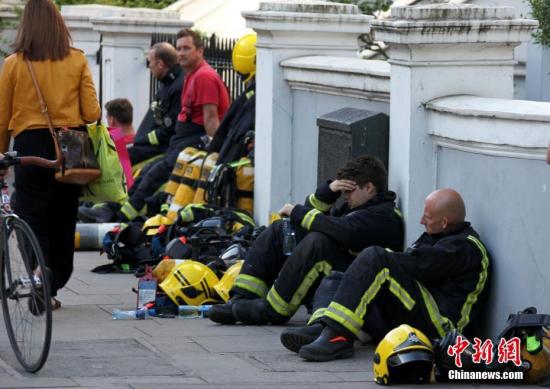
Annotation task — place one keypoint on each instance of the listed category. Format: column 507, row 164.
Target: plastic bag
column 111, row 186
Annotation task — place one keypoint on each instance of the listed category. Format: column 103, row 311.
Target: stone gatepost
column 9, row 20
column 125, row 35
column 288, row 29
column 439, row 50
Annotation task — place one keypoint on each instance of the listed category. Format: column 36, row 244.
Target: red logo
column 507, row 350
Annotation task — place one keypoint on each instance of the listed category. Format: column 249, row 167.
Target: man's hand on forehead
column 343, row 185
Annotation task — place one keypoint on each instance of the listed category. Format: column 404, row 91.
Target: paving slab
column 90, row 350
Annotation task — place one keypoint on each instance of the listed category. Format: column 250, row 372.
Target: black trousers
column 140, row 153
column 377, row 295
column 290, row 279
column 157, row 173
column 48, row 206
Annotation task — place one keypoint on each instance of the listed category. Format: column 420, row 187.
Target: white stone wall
column 123, row 35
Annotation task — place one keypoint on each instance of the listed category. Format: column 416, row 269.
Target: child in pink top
column 119, row 121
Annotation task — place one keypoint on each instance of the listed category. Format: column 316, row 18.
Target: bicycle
column 24, row 286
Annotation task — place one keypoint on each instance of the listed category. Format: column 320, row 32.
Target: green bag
column 111, row 186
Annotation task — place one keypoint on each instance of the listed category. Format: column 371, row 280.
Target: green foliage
column 368, row 7
column 540, row 10
column 121, row 3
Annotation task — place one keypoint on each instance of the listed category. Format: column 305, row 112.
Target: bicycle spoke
column 26, row 305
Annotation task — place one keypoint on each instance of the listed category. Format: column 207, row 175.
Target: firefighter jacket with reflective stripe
column 377, row 222
column 454, row 268
column 238, row 121
column 159, row 122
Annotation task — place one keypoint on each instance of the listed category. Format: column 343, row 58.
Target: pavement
column 90, row 350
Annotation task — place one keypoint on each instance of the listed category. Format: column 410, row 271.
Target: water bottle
column 119, row 314
column 193, row 311
column 289, row 237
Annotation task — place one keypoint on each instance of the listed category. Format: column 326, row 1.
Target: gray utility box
column 349, row 133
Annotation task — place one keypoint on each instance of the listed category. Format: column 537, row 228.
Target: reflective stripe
column 277, row 303
column 317, row 315
column 398, row 212
column 318, row 204
column 288, row 309
column 473, row 296
column 394, row 287
column 152, row 136
column 345, row 317
column 129, row 211
column 322, row 267
column 249, row 94
column 309, row 218
column 251, row 284
column 164, row 208
column 186, row 215
column 246, row 218
column 441, row 323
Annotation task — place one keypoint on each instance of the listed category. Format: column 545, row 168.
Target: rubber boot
column 329, row 346
column 294, row 338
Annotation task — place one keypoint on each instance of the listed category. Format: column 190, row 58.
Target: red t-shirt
column 202, row 86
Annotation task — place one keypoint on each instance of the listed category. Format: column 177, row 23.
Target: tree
column 158, row 4
column 540, row 10
column 369, row 7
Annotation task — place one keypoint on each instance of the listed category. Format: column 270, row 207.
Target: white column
column 286, row 30
column 126, row 37
column 9, row 20
column 440, row 50
column 538, row 72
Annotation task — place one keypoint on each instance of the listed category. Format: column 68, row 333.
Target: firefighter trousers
column 285, row 281
column 377, row 295
column 155, row 175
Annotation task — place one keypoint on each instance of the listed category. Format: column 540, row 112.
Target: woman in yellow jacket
column 66, row 83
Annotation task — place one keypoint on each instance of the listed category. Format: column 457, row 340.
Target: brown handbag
column 79, row 164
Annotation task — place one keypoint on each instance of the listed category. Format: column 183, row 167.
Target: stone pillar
column 9, row 20
column 286, row 30
column 538, row 73
column 119, row 38
column 439, row 50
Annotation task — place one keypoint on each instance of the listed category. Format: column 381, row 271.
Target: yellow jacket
column 67, row 87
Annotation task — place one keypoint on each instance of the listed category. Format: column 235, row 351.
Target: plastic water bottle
column 140, row 314
column 193, row 311
column 289, row 237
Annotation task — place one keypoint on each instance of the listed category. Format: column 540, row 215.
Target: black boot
column 257, row 312
column 293, row 338
column 329, row 346
column 223, row 313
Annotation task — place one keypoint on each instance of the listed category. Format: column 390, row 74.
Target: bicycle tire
column 28, row 324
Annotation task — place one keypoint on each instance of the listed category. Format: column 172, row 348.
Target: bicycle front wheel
column 26, row 301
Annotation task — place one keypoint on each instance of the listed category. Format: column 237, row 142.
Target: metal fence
column 217, row 52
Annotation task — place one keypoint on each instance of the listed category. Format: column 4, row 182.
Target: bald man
column 437, row 284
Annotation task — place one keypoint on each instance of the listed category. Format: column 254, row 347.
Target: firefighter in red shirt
column 204, row 100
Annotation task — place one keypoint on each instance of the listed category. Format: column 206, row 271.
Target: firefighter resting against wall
column 272, row 285
column 437, row 284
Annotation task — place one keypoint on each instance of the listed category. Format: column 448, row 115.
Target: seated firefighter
column 439, row 283
column 204, row 101
column 157, row 127
column 272, row 285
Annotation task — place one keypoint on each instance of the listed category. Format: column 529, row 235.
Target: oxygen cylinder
column 245, row 185
column 207, row 167
column 179, row 169
column 89, row 236
column 188, row 185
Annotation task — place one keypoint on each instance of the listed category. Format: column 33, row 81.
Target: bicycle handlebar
column 11, row 159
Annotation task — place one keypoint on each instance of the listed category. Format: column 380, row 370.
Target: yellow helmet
column 404, row 355
column 191, row 283
column 537, row 361
column 244, row 56
column 152, row 225
column 226, row 283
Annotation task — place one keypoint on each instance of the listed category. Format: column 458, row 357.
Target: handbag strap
column 44, row 108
